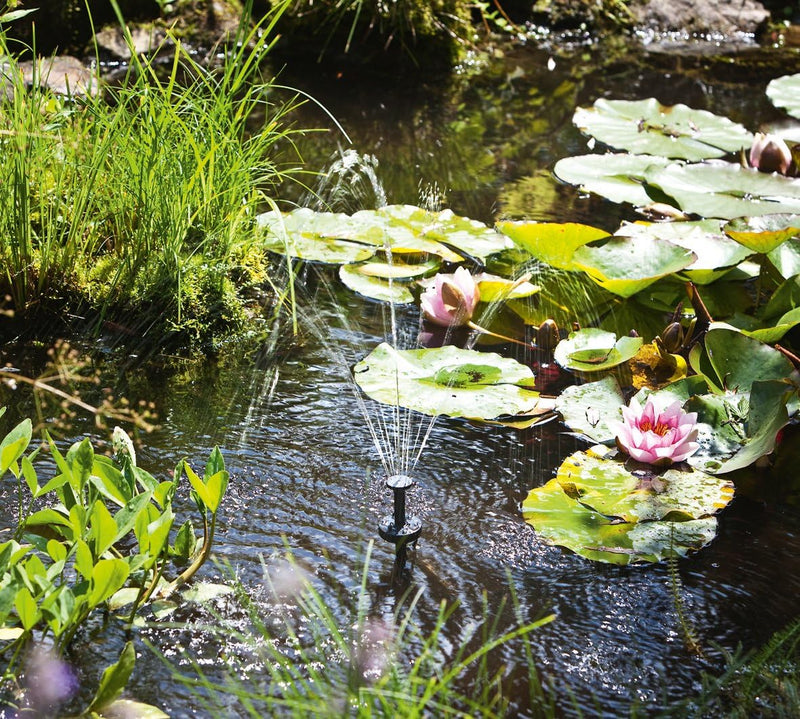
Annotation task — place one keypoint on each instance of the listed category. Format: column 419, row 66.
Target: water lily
column 770, row 154
column 657, row 436
column 451, row 299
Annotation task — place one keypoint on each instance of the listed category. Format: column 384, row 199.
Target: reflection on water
column 303, row 466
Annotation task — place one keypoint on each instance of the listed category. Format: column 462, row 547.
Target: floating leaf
column 716, row 253
column 594, row 350
column 786, row 258
column 648, row 127
column 722, row 189
column 763, row 233
column 205, row 592
column 785, row 92
column 618, row 177
column 448, row 380
column 371, row 279
column 500, row 289
column 626, row 265
column 591, row 408
column 559, row 515
column 551, row 242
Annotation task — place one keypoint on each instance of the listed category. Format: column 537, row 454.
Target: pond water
column 303, row 469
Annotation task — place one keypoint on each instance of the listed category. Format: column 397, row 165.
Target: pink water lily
column 451, row 299
column 770, row 154
column 655, row 436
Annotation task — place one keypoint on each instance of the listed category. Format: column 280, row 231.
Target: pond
column 293, row 430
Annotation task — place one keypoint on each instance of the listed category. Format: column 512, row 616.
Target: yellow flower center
column 658, row 428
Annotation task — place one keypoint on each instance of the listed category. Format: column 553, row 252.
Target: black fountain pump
column 398, row 528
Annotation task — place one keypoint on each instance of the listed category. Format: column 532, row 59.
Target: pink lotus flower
column 451, row 299
column 655, row 436
column 770, row 154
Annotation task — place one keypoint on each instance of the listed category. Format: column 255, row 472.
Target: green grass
column 300, row 658
column 137, row 205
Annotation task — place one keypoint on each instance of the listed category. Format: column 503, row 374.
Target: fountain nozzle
column 397, row 527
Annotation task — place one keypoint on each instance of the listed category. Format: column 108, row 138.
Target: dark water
column 303, row 470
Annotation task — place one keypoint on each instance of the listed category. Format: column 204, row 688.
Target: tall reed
column 139, row 202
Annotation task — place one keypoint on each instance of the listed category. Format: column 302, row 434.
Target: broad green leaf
column 763, row 233
column 27, row 611
column 500, row 289
column 626, row 266
column 736, row 360
column 110, row 481
column 185, row 542
column 50, row 519
column 551, row 242
column 786, row 258
column 648, row 127
column 375, row 288
column 618, row 177
column 80, row 457
column 108, row 576
column 103, row 528
column 57, row 550
column 716, row 253
column 595, row 350
column 125, row 518
column 31, row 479
column 13, row 445
column 198, row 485
column 448, row 380
column 785, row 92
column 559, row 519
column 722, row 189
column 216, row 486
column 113, row 680
column 591, row 408
column 129, row 708
column 205, row 592
column 84, row 561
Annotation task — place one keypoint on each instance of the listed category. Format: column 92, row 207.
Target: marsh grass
column 298, row 658
column 136, row 205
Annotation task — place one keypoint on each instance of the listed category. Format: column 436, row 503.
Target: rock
column 725, row 17
column 146, row 39
column 63, row 74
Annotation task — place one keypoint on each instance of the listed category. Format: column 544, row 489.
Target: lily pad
column 560, row 516
column 722, row 189
column 594, row 350
column 786, row 258
column 785, row 92
column 591, row 408
column 763, row 233
column 384, row 281
column 626, row 265
column 729, row 359
column 551, row 242
column 448, row 380
column 494, row 288
column 619, row 177
column 648, row 127
column 716, row 252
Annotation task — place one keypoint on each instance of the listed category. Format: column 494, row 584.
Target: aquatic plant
column 770, row 154
column 94, row 537
column 657, row 436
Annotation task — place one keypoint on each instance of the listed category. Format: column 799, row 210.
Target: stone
column 62, row 74
column 724, row 17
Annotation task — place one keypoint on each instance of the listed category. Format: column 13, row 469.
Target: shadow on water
column 303, row 464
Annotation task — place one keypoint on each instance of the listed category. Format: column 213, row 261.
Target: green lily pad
column 386, row 281
column 493, row 288
column 786, row 258
column 595, row 350
column 722, row 189
column 626, row 265
column 591, row 408
column 648, row 127
column 729, row 359
column 560, row 517
column 763, row 233
column 734, row 430
column 785, row 92
column 619, row 177
column 448, row 380
column 313, row 236
column 551, row 242
column 716, row 252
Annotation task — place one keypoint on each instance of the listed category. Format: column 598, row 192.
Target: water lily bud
column 654, row 436
column 672, row 337
column 451, row 300
column 547, row 336
column 770, row 154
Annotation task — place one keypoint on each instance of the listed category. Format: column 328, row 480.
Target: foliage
column 95, row 536
column 149, row 211
column 300, row 660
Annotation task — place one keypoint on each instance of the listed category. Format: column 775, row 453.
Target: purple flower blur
column 451, row 299
column 658, row 437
